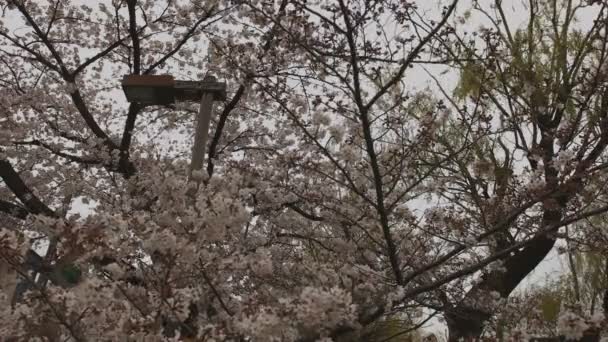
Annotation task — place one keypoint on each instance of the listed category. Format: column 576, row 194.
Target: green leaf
column 71, row 273
column 470, row 81
column 550, row 306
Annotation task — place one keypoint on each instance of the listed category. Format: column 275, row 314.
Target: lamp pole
column 164, row 90
column 202, row 129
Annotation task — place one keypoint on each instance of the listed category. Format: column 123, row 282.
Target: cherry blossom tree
column 336, row 198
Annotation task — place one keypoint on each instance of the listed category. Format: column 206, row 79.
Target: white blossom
column 571, row 325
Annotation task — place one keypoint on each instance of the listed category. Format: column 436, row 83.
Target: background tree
column 536, row 91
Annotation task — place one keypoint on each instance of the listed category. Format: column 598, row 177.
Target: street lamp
column 164, row 90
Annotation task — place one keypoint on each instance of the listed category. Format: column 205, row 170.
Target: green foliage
column 391, row 329
column 591, row 277
column 66, row 275
column 71, row 273
column 550, row 304
column 469, row 83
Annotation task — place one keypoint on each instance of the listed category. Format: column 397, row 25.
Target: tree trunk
column 467, row 321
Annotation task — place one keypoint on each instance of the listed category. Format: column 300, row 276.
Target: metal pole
column 202, row 129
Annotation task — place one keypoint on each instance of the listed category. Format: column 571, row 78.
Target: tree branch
column 13, row 209
column 26, row 196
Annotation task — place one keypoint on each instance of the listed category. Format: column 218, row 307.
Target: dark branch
column 13, row 209
column 134, row 36
column 14, row 182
